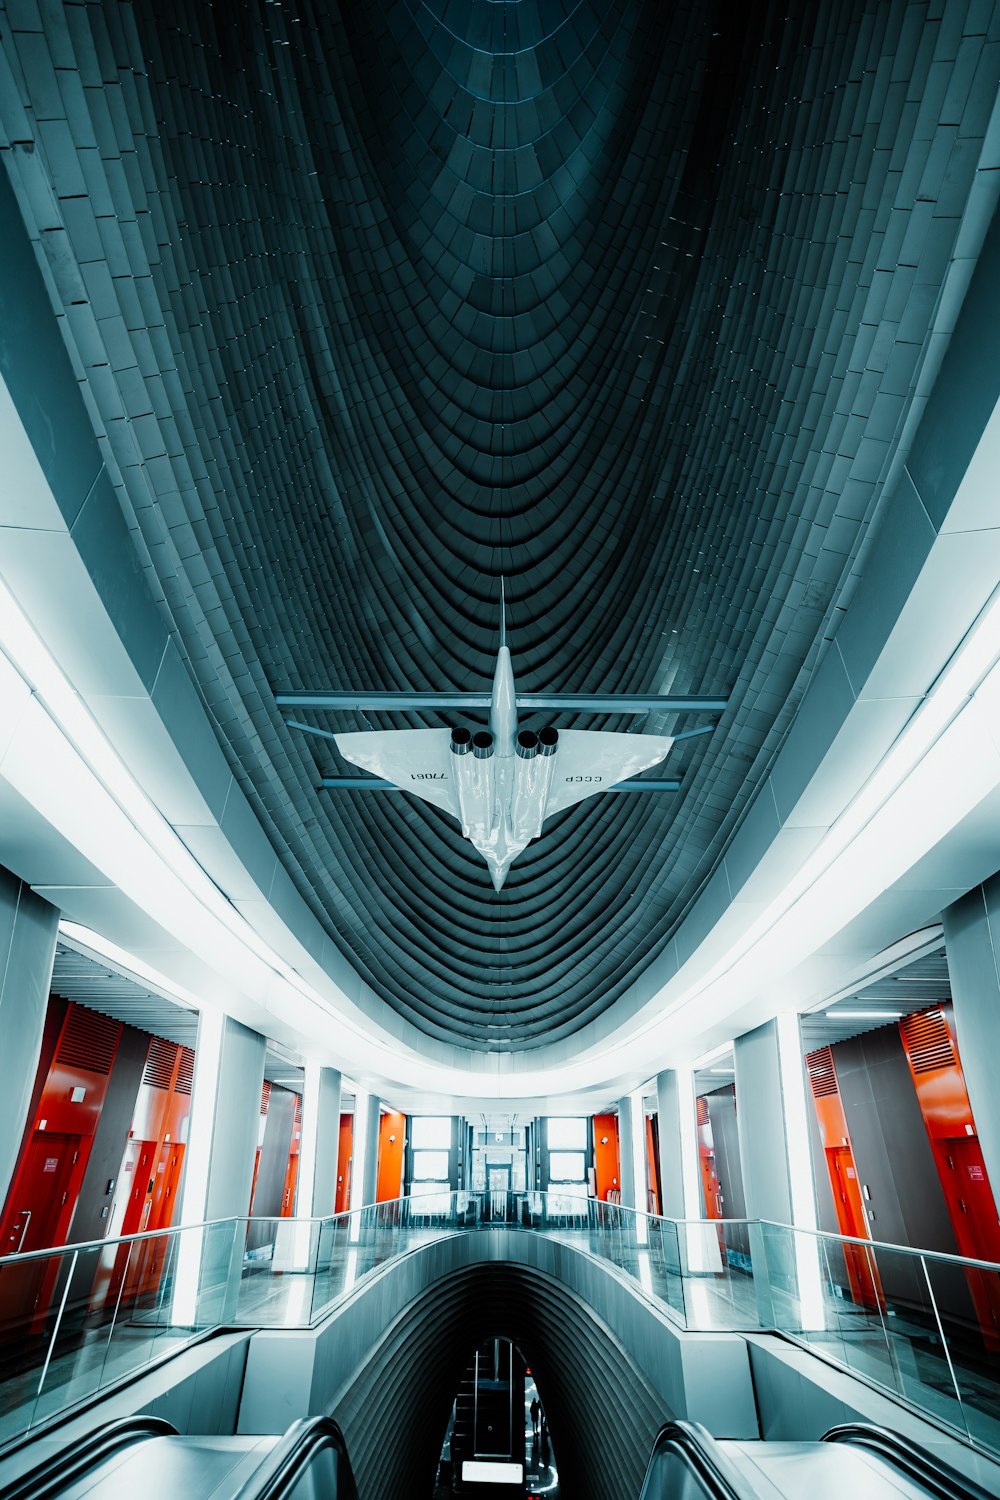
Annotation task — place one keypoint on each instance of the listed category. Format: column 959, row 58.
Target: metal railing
column 925, row 1327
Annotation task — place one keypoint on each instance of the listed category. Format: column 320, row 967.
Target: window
column 430, row 1133
column 567, row 1134
column 567, row 1166
column 430, row 1166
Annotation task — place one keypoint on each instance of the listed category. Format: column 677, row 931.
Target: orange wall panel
column 932, row 1052
column 345, row 1149
column 391, row 1140
column 710, row 1192
column 863, row 1280
column 652, row 1169
column 606, row 1168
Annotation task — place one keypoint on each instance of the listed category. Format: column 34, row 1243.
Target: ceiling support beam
column 378, row 784
column 592, row 703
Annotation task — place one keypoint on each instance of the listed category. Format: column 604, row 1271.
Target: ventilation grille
column 702, row 1110
column 928, row 1042
column 159, row 1064
column 265, row 1097
column 89, row 1040
column 822, row 1073
column 185, row 1072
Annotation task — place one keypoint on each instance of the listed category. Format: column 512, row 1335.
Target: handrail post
column 944, row 1346
column 58, row 1325
column 114, row 1316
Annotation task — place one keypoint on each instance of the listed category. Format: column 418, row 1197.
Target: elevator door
column 861, row 1273
column 974, row 1216
column 38, row 1219
column 138, row 1172
column 43, row 1193
column 850, row 1211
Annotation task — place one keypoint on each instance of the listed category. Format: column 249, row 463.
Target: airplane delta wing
column 589, row 761
column 415, row 760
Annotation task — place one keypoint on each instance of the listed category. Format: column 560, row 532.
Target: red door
column 38, row 1217
column 974, row 1217
column 139, row 1166
column 139, row 1173
column 152, row 1254
column 43, row 1193
column 861, row 1273
column 167, row 1180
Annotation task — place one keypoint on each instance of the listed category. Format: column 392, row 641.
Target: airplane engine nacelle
column 532, row 779
column 461, row 741
column 474, row 782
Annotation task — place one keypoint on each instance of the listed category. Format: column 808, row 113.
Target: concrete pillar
column 761, row 1120
column 28, row 928
column 320, row 1143
column 371, row 1148
column 364, row 1167
column 773, row 1127
column 972, row 943
column 626, row 1152
column 225, row 1117
column 639, row 1178
column 680, row 1178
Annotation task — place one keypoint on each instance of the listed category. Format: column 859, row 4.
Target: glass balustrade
column 924, row 1327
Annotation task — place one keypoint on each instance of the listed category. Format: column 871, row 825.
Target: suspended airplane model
column 501, row 784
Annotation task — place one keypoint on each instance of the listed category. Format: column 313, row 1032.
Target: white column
column 316, row 1194
column 225, row 1117
column 626, row 1152
column 676, row 1123
column 364, row 1165
column 28, row 928
column 218, row 1161
column 972, row 943
column 774, row 1125
column 639, row 1189
column 774, row 1151
column 372, row 1148
column 680, row 1174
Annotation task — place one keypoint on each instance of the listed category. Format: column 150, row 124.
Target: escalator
column 687, row 1463
column 148, row 1458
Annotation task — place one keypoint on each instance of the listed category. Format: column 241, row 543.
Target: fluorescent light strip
column 127, row 963
column 864, row 1015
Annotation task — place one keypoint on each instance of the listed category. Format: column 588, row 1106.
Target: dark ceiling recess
column 622, row 301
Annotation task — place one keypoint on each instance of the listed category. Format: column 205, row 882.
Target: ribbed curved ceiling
column 623, row 301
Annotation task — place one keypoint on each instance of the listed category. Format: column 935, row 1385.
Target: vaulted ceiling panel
column 622, row 302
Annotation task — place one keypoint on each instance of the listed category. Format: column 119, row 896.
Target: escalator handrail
column 55, row 1473
column 936, row 1476
column 292, row 1454
column 720, row 1479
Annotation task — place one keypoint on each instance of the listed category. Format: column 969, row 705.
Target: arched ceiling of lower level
column 624, row 302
